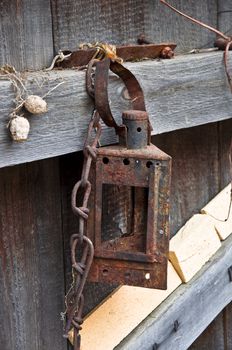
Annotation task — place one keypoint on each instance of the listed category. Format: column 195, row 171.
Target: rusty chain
column 74, row 299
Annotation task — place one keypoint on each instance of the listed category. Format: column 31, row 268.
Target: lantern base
column 148, row 275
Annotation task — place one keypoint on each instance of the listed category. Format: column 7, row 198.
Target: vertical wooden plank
column 225, row 129
column 31, row 258
column 218, row 335
column 26, row 33
column 195, row 175
column 212, row 337
column 121, row 22
column 225, row 137
column 89, row 21
column 224, row 16
column 228, row 326
column 162, row 24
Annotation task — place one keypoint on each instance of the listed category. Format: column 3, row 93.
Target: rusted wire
column 196, row 21
column 227, row 40
column 226, row 43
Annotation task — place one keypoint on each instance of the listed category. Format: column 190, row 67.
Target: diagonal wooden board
column 122, row 312
column 193, row 246
column 194, row 305
column 218, row 210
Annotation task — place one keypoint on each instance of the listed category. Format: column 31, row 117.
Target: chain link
column 74, row 299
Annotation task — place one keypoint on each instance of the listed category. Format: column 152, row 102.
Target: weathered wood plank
column 31, row 259
column 218, row 210
column 90, row 21
column 225, row 135
column 212, row 338
column 193, row 305
column 193, row 245
column 26, row 33
column 218, row 335
column 122, row 21
column 228, row 326
column 187, row 91
column 224, row 16
column 195, row 172
column 162, row 24
column 106, row 320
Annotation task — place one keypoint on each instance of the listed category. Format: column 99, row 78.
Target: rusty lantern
column 129, row 211
column 122, row 198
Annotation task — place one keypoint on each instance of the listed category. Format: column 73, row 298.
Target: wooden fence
column 35, row 215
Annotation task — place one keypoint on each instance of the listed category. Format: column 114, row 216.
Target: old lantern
column 129, row 208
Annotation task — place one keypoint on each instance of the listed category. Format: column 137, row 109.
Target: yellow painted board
column 124, row 310
column 219, row 208
column 193, row 245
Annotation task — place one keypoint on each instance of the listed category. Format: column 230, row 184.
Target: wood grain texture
column 224, row 16
column 228, row 326
column 195, row 172
column 180, row 93
column 194, row 305
column 225, row 136
column 31, row 259
column 212, row 338
column 26, row 34
column 193, row 246
column 218, row 210
column 120, row 22
column 90, row 21
column 118, row 315
column 162, row 24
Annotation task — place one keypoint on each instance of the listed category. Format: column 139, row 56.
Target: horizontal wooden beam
column 178, row 321
column 184, row 92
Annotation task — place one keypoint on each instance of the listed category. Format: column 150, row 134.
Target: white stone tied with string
column 18, row 125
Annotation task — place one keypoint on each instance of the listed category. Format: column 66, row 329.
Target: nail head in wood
column 230, row 273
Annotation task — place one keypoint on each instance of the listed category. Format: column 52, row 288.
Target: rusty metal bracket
column 101, row 92
column 82, row 57
column 98, row 90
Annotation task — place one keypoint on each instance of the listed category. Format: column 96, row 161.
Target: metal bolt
column 167, row 53
column 143, row 40
column 176, row 326
column 230, row 273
